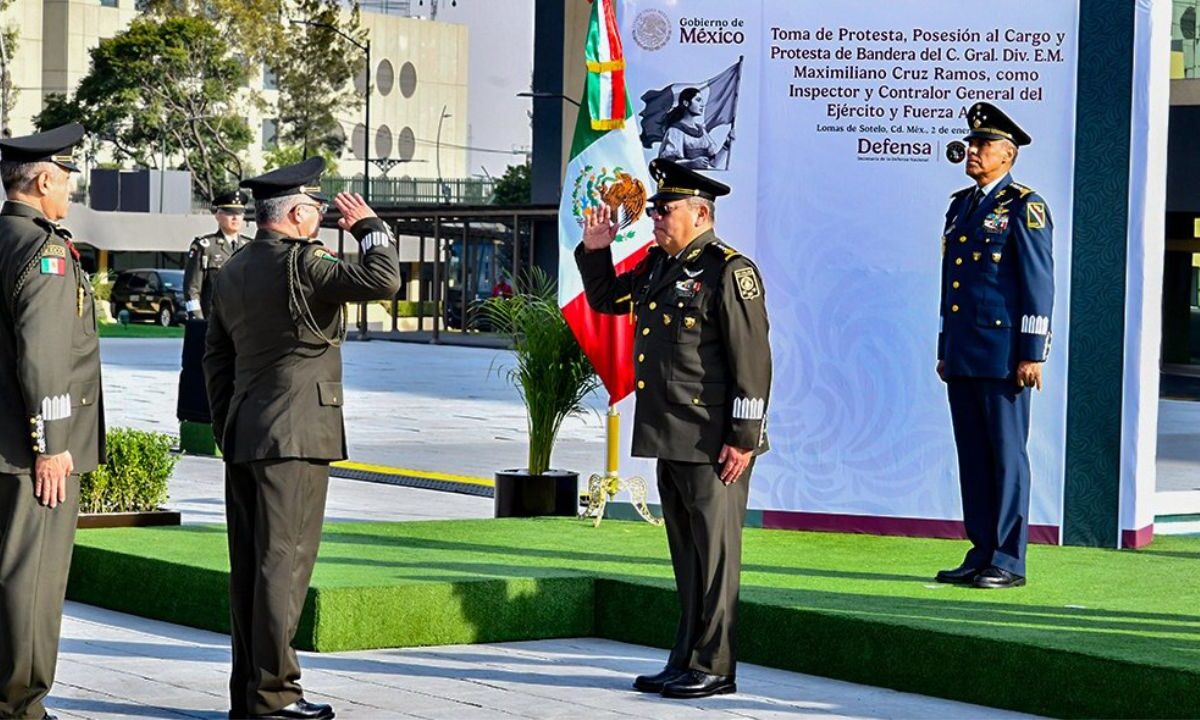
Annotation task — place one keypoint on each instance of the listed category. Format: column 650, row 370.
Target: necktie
column 976, row 198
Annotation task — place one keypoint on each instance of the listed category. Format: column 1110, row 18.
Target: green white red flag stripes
column 605, row 60
column 606, row 166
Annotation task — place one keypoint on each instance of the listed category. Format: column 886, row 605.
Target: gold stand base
column 602, row 488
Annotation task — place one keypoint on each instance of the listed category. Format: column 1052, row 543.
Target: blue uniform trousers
column 991, row 430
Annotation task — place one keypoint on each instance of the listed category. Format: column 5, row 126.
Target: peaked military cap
column 50, row 146
column 676, row 182
column 990, row 123
column 303, row 178
column 232, row 199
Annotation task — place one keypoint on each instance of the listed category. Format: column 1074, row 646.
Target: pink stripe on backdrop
column 874, row 525
column 1137, row 538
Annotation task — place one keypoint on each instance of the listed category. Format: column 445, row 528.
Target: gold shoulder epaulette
column 727, row 252
column 1023, row 189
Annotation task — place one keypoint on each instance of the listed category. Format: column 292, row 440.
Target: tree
column 313, row 75
column 8, row 51
column 292, row 154
column 513, row 187
column 164, row 88
column 299, row 42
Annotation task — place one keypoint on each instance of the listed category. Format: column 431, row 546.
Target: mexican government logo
column 651, row 29
column 624, row 195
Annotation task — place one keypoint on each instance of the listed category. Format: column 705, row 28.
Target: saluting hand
column 734, row 462
column 1029, row 374
column 50, row 477
column 599, row 228
column 353, row 208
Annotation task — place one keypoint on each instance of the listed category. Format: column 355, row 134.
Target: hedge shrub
column 135, row 477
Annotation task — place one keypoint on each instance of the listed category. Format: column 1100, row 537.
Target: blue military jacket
column 997, row 282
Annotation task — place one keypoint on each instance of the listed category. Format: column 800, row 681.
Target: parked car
column 149, row 294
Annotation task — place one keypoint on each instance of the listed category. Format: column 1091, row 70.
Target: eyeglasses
column 660, row 210
column 231, row 213
column 321, row 207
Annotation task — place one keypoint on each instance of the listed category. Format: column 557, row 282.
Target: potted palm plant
column 553, row 377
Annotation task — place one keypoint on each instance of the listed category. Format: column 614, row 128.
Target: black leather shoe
column 696, row 684
column 654, row 683
column 995, row 577
column 961, row 575
column 300, row 710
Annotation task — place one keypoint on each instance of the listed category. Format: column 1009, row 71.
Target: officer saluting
column 997, row 297
column 208, row 253
column 273, row 367
column 703, row 380
column 51, row 413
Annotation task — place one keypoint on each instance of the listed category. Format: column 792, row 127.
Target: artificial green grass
column 138, row 330
column 1097, row 633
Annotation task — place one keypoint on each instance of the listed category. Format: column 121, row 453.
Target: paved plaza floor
column 121, row 666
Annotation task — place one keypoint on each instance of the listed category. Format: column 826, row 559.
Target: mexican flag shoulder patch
column 54, row 265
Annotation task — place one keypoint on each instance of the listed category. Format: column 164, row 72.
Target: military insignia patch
column 996, row 222
column 323, row 254
column 666, row 319
column 747, row 283
column 693, row 254
column 976, row 255
column 203, row 242
column 54, row 266
column 689, row 323
column 996, row 257
column 54, row 251
column 1035, row 215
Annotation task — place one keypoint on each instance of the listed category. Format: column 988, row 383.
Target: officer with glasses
column 273, row 367
column 703, row 367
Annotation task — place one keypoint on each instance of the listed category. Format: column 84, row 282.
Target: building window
column 270, row 131
column 408, row 79
column 108, row 3
column 385, row 77
column 270, row 79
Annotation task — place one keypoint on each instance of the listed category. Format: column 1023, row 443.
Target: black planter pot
column 149, row 518
column 519, row 494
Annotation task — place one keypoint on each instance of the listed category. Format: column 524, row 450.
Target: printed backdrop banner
column 835, row 120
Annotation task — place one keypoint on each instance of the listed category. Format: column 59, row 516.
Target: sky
column 501, row 65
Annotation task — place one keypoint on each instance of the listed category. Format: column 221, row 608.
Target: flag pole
column 602, row 488
column 737, row 91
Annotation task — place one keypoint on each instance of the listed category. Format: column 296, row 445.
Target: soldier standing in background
column 996, row 300
column 209, row 253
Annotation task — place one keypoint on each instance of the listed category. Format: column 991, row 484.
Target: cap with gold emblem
column 990, row 123
column 51, row 146
column 230, row 200
column 303, row 178
column 676, row 182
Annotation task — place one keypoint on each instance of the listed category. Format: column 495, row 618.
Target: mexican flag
column 606, row 166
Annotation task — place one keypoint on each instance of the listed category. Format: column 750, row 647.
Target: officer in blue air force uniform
column 997, row 295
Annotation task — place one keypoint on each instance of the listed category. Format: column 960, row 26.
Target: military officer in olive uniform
column 273, row 367
column 209, row 253
column 51, row 413
column 703, row 366
column 997, row 296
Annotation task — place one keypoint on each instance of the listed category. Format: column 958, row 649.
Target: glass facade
column 1185, row 39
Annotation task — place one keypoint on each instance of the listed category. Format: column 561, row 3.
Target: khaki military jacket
column 50, row 394
column 701, row 348
column 207, row 255
column 274, row 380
